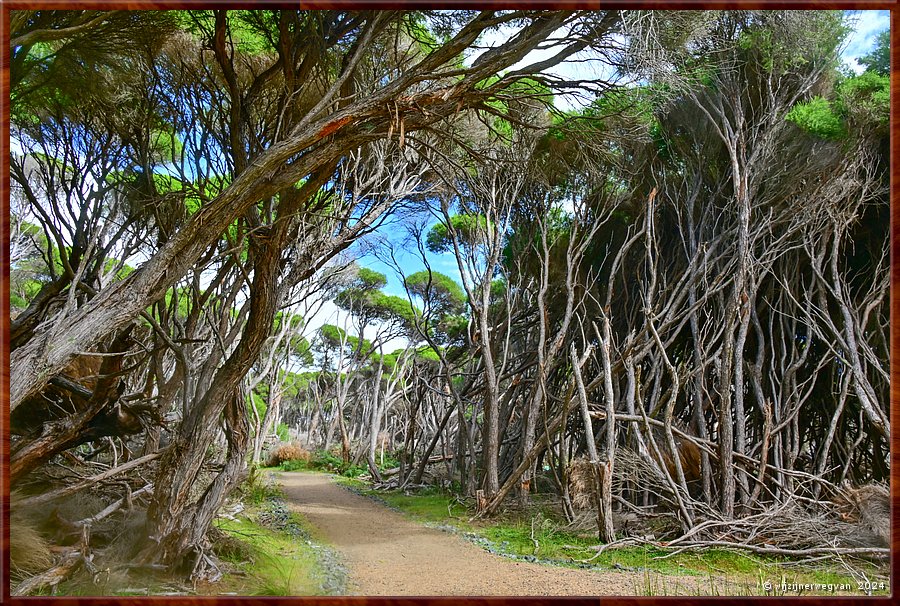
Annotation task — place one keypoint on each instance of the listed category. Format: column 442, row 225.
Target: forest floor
column 387, row 553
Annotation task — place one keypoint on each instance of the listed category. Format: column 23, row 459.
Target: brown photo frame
column 11, row 5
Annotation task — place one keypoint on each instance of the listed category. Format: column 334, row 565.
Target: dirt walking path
column 388, row 554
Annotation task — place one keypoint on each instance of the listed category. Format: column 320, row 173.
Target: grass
column 279, row 564
column 272, row 559
column 539, row 534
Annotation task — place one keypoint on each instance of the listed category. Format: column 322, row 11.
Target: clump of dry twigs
column 852, row 521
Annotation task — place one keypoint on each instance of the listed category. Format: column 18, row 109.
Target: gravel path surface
column 388, row 554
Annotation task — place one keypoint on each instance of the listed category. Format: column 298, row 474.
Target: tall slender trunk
column 375, row 423
column 606, row 466
column 273, row 412
column 491, row 438
column 699, row 391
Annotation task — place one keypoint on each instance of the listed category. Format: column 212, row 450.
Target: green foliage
column 862, row 106
column 639, row 102
column 867, row 100
column 258, row 488
column 297, row 344
column 818, row 118
column 121, row 273
column 370, row 304
column 257, row 402
column 389, row 361
column 879, row 60
column 498, row 288
column 415, row 26
column 16, row 301
column 301, row 348
column 398, row 309
column 467, row 227
column 427, row 353
column 250, row 30
column 165, row 146
column 780, row 45
column 530, row 88
column 454, row 326
column 333, row 337
column 328, row 462
column 294, row 465
column 363, row 288
column 295, row 323
column 512, row 100
column 182, row 296
column 369, row 279
column 441, row 292
column 283, row 432
column 25, row 292
column 294, row 383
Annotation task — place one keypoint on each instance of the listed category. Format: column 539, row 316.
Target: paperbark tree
column 296, row 148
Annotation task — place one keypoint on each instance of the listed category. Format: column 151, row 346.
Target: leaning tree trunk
column 172, row 521
column 237, row 433
column 96, row 419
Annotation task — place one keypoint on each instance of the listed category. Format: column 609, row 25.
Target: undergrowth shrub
column 294, row 465
column 328, row 461
column 290, row 451
column 257, row 488
column 293, row 457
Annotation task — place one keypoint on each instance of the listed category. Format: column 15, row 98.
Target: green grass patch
column 272, row 562
column 268, row 546
column 428, row 505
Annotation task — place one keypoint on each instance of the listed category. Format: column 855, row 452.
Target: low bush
column 329, row 461
column 290, row 451
column 258, row 488
column 294, row 465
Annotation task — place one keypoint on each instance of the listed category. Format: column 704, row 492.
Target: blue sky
column 866, row 26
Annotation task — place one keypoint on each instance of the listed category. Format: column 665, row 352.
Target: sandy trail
column 388, row 554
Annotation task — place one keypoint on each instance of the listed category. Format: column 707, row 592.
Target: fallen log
column 70, row 562
column 68, row 490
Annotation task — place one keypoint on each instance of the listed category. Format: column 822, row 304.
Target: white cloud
column 866, row 27
column 585, row 65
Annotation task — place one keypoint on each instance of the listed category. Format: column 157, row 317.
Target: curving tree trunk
column 175, row 524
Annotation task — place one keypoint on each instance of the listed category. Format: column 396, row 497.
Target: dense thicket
column 671, row 300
